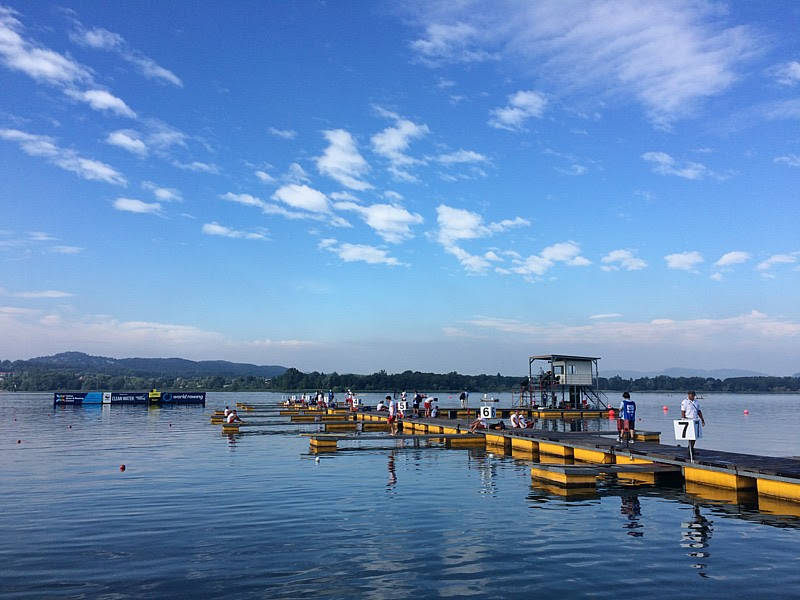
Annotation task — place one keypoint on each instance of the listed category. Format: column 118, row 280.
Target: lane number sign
column 488, row 412
column 687, row 429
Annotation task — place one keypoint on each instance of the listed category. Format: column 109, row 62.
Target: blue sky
column 435, row 186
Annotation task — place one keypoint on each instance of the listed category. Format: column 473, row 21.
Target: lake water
column 197, row 514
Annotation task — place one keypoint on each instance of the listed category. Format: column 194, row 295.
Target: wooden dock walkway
column 646, row 460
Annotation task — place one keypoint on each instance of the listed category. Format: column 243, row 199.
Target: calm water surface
column 197, row 514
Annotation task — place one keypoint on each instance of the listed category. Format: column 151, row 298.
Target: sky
column 434, row 186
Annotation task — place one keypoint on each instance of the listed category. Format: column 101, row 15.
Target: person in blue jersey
column 626, row 424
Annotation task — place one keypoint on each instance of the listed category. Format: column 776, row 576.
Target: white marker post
column 689, row 430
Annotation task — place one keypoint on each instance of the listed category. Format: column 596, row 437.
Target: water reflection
column 631, row 508
column 392, row 472
column 695, row 535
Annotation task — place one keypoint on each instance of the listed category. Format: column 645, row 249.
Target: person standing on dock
column 626, row 423
column 464, row 397
column 392, row 419
column 690, row 409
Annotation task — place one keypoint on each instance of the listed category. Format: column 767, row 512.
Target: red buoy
column 665, row 408
column 122, row 467
column 747, row 412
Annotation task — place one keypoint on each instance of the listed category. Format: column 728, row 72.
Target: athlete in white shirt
column 514, row 418
column 690, row 409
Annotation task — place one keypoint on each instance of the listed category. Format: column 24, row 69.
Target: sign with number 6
column 488, row 412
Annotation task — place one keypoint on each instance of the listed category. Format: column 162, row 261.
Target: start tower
column 561, row 381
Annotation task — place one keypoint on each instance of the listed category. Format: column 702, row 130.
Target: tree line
column 293, row 380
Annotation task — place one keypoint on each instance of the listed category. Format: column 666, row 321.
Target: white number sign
column 403, row 405
column 356, row 401
column 687, row 429
column 488, row 412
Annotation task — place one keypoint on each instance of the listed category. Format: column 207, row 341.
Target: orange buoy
column 122, row 467
column 665, row 408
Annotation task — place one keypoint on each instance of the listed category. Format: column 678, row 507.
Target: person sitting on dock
column 434, row 409
column 498, row 425
column 381, row 405
column 477, row 424
column 514, row 418
column 524, row 423
column 233, row 417
column 227, row 411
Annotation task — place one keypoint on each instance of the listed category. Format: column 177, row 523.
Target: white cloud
column 264, row 177
column 664, row 164
column 66, row 249
column 749, row 330
column 102, row 100
column 35, row 61
column 286, row 134
column 41, row 236
column 163, row 194
column 732, row 258
column 460, row 157
column 606, row 316
column 359, row 253
column 456, row 225
column 393, row 142
column 622, row 259
column 197, row 167
column 303, row 197
column 342, row 161
column 297, row 194
column 389, row 194
column 538, row 264
column 459, row 224
column 44, row 294
column 777, row 259
column 296, row 174
column 669, row 56
column 787, row 73
column 390, row 221
column 522, row 105
column 793, row 160
column 716, row 276
column 102, row 39
column 137, row 206
column 684, row 261
column 246, row 199
column 220, row 230
column 65, row 158
column 128, row 140
column 445, row 43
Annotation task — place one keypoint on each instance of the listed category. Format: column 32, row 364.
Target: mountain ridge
column 176, row 367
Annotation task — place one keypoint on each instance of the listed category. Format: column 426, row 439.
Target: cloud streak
column 45, row 147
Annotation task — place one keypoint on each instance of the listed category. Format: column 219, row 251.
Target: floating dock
column 573, row 459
